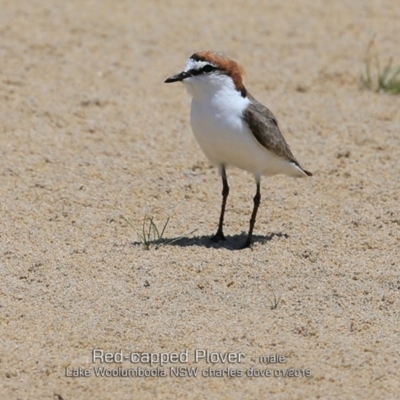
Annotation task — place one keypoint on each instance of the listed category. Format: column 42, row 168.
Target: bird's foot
column 218, row 237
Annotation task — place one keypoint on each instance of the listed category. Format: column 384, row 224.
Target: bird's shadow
column 233, row 242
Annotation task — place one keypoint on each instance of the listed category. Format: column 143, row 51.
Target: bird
column 232, row 128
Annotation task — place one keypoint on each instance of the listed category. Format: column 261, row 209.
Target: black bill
column 177, row 78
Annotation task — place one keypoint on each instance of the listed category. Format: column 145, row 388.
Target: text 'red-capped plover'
column 232, row 127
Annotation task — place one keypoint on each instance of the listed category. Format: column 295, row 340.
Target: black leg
column 225, row 192
column 256, row 200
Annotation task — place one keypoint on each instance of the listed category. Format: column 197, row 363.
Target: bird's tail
column 307, row 172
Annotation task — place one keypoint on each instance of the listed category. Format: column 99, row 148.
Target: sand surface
column 90, row 137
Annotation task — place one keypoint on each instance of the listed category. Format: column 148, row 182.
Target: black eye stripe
column 204, row 70
column 208, row 68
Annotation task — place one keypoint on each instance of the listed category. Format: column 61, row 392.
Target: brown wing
column 265, row 128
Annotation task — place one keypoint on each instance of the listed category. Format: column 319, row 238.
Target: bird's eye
column 208, row 68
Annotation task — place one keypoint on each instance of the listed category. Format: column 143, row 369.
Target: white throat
column 218, row 91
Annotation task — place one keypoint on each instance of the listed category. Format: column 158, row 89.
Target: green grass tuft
column 151, row 236
column 381, row 80
column 275, row 301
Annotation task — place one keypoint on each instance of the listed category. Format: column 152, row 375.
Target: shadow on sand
column 233, row 242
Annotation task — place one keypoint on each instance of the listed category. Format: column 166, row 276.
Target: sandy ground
column 89, row 133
